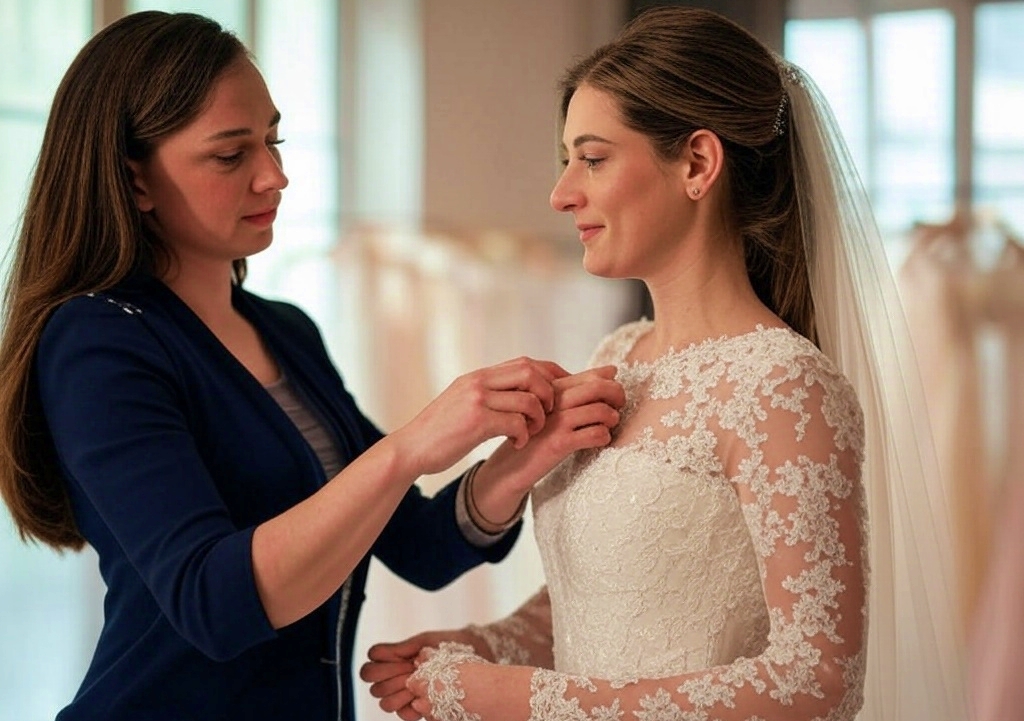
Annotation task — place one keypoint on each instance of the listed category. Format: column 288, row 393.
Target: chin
column 262, row 244
column 595, row 267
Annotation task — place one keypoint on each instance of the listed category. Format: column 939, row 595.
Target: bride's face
column 630, row 206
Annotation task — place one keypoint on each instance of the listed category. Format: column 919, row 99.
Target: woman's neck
column 706, row 301
column 206, row 291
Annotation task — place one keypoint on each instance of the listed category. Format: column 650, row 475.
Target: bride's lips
column 262, row 218
column 588, row 231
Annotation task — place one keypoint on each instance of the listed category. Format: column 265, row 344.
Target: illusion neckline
column 645, row 326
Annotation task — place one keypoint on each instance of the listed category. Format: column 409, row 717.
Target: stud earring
column 694, row 192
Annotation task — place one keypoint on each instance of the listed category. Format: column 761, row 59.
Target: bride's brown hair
column 136, row 81
column 674, row 70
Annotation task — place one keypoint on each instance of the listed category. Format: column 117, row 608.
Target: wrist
column 401, row 465
column 491, row 507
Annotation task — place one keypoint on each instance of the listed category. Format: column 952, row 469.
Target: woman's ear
column 139, row 186
column 704, row 159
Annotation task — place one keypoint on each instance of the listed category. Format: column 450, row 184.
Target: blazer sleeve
column 116, row 412
column 422, row 543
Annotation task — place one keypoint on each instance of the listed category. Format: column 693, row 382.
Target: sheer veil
column 915, row 655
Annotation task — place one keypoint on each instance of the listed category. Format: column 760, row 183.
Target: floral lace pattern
column 523, row 638
column 712, row 561
column 440, row 670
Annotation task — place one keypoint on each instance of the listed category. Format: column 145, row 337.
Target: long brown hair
column 135, row 82
column 674, row 70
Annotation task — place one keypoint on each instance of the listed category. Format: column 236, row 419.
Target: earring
column 694, row 192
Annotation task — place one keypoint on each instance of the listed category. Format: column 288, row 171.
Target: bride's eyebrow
column 586, row 138
column 589, row 138
column 239, row 132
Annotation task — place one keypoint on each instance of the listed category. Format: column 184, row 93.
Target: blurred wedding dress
column 962, row 284
column 997, row 648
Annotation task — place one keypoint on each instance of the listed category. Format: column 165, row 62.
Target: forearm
column 583, row 416
column 522, row 638
column 492, row 502
column 303, row 555
column 459, row 685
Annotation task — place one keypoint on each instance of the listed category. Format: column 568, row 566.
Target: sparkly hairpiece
column 790, row 76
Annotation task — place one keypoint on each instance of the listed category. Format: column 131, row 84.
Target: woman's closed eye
column 231, row 159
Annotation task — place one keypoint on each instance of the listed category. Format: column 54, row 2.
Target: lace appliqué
column 720, row 540
column 502, row 638
column 548, row 701
column 440, row 673
column 524, row 637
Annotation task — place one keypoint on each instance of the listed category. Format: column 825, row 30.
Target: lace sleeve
column 795, row 464
column 522, row 638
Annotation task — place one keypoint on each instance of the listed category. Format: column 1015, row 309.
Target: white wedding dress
column 659, row 601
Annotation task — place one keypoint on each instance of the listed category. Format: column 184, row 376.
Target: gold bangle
column 477, row 516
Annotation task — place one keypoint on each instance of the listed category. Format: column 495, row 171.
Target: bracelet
column 477, row 516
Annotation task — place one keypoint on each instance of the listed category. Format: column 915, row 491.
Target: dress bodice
column 652, row 563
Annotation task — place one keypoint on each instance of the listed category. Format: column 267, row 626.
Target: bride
column 713, row 561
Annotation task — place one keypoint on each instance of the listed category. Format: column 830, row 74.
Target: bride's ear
column 140, row 187
column 704, row 158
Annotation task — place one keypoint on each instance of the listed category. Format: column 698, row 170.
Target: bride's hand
column 391, row 665
column 585, row 412
column 452, row 683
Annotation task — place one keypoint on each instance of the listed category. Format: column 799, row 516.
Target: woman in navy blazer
column 197, row 435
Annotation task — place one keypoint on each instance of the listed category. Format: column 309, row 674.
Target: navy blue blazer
column 173, row 453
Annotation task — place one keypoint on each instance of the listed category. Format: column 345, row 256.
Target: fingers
column 592, row 414
column 392, row 686
column 527, row 406
column 409, row 714
column 520, row 374
column 607, row 372
column 422, row 707
column 385, row 652
column 594, row 389
column 553, row 368
column 397, row 699
column 377, row 671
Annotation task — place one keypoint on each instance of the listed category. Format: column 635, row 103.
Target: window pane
column 999, row 109
column 48, row 603
column 296, row 48
column 833, row 52
column 913, row 117
column 37, row 42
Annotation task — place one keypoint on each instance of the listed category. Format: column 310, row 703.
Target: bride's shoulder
column 615, row 346
column 799, row 374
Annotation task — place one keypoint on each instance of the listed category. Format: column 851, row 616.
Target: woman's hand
column 586, row 410
column 511, row 399
column 391, row 665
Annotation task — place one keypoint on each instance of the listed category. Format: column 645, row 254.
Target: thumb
column 400, row 651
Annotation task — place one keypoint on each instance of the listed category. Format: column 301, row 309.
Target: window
column 899, row 83
column 45, row 641
column 998, row 105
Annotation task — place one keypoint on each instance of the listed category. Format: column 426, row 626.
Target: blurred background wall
column 421, row 138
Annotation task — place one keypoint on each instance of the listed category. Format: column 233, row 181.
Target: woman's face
column 630, row 207
column 211, row 189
